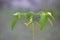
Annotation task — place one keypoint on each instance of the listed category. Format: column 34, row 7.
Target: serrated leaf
column 43, row 19
column 14, row 22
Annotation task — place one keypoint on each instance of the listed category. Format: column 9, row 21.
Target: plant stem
column 33, row 33
column 37, row 29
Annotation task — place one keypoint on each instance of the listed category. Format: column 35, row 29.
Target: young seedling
column 44, row 16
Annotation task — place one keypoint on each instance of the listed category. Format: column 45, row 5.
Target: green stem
column 33, row 33
column 37, row 29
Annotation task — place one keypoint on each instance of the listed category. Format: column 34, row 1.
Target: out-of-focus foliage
column 57, row 16
column 44, row 17
column 15, row 19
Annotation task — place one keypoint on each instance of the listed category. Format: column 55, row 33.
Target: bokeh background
column 21, row 32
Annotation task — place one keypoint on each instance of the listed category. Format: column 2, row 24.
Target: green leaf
column 21, row 15
column 28, row 15
column 14, row 22
column 17, row 13
column 50, row 21
column 49, row 13
column 43, row 19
